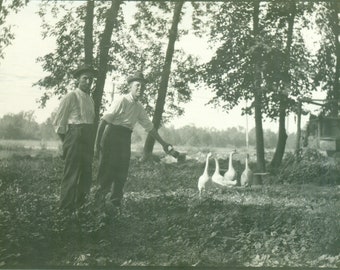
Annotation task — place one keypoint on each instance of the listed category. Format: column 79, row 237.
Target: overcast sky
column 19, row 70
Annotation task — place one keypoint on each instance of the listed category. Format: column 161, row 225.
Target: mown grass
column 163, row 221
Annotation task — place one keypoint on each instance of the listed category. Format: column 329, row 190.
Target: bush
column 309, row 167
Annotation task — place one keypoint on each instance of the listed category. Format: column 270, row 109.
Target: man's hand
column 167, row 147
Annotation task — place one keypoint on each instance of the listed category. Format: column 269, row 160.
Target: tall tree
column 78, row 38
column 157, row 117
column 327, row 67
column 336, row 31
column 261, row 165
column 104, row 45
column 67, row 29
column 88, row 32
column 283, row 96
column 168, row 71
column 234, row 72
column 287, row 62
column 258, row 59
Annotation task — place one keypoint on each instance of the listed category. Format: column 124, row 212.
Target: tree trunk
column 336, row 87
column 88, row 30
column 157, row 117
column 298, row 129
column 282, row 139
column 261, row 165
column 104, row 45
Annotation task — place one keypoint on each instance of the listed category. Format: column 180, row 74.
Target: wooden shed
column 324, row 133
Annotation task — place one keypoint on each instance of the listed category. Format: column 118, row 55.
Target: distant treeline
column 23, row 126
column 232, row 136
column 194, row 136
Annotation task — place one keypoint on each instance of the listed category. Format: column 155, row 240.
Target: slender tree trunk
column 336, row 87
column 261, row 165
column 104, row 45
column 157, row 117
column 282, row 138
column 298, row 129
column 88, row 39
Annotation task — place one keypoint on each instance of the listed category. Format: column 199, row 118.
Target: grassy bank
column 163, row 221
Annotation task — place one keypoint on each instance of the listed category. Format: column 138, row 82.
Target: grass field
column 163, row 222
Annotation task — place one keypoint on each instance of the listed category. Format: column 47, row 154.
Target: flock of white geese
column 229, row 178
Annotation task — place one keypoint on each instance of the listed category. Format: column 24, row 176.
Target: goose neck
column 230, row 160
column 206, row 164
column 217, row 165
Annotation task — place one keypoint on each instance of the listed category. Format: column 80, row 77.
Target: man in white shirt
column 74, row 123
column 113, row 140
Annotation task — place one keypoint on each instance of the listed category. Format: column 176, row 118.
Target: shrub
column 309, row 167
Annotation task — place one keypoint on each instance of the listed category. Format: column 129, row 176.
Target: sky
column 19, row 70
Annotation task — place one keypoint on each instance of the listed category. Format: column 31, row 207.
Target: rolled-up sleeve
column 61, row 118
column 144, row 120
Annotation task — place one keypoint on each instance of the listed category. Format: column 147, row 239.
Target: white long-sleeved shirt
column 126, row 112
column 76, row 107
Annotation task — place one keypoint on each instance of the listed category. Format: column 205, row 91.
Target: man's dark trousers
column 78, row 154
column 114, row 161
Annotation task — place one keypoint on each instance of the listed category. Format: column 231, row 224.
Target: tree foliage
column 68, row 30
column 287, row 61
column 68, row 35
column 234, row 72
column 262, row 57
column 137, row 47
column 290, row 76
column 151, row 26
column 327, row 64
column 230, row 73
column 6, row 32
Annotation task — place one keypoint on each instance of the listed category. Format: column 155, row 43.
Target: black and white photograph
column 170, row 133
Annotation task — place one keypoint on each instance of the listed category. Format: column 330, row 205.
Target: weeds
column 309, row 167
column 163, row 222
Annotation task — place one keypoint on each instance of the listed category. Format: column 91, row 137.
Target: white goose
column 204, row 178
column 217, row 177
column 247, row 175
column 230, row 175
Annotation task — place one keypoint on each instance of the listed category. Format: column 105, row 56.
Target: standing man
column 113, row 141
column 74, row 124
